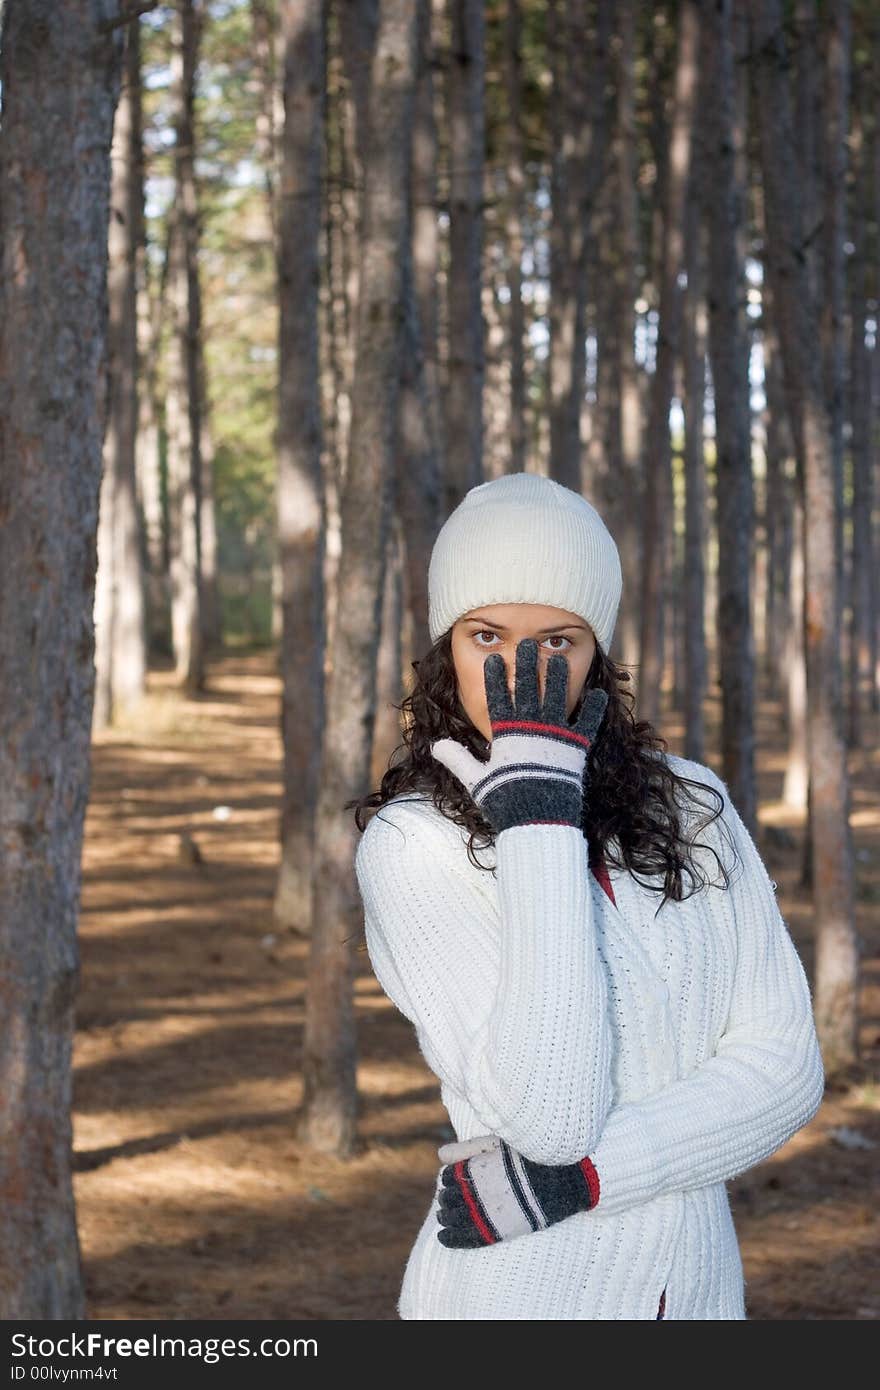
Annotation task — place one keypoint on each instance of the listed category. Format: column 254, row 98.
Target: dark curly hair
column 631, row 814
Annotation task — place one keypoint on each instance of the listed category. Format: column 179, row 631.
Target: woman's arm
column 765, row 1081
column 537, row 1068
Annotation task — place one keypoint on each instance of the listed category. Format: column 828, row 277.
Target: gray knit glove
column 536, row 773
column 488, row 1192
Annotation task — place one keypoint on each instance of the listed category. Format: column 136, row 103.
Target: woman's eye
column 555, row 637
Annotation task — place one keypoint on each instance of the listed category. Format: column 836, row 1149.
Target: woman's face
column 499, row 627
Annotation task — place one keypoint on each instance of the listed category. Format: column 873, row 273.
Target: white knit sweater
column 676, row 1050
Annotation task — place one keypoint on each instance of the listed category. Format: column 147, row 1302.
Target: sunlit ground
column 195, row 1201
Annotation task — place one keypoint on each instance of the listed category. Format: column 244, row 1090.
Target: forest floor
column 194, row 1199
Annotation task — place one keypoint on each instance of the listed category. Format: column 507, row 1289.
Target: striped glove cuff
column 536, row 775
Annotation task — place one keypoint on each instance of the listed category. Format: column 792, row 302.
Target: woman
column 612, row 1043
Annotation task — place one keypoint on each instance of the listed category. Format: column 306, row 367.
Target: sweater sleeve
column 535, row 1065
column 764, row 1082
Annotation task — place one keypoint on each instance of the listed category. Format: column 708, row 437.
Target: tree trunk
column 691, row 695
column 496, row 369
column 836, row 975
column 808, row 123
column 835, row 48
column 183, row 390
column 329, row 1113
column 60, row 69
column 212, row 623
column 386, row 725
column 796, row 784
column 268, row 121
column 561, row 306
column 416, row 517
column 336, row 301
column 513, row 226
column 334, row 323
column 604, row 443
column 357, row 23
column 626, row 245
column 120, row 633
column 466, row 353
column 785, row 505
column 580, row 137
column 426, row 239
column 265, row 85
column 148, row 463
column 864, row 559
column 875, row 385
column 419, row 489
column 777, row 527
column 301, row 515
column 658, row 481
column 729, row 351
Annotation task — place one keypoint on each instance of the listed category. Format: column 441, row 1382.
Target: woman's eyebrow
column 557, row 627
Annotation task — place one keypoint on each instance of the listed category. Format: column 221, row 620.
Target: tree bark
column 183, row 394
column 61, row 77
column 581, row 136
column 836, row 973
column 357, row 22
column 120, row 630
column 875, row 385
column 418, row 471
column 603, row 449
column 691, row 693
column 265, row 24
column 417, row 464
column 301, row 514
column 466, row 351
column 269, row 121
column 836, row 51
column 426, row 238
column 658, row 480
column 796, row 784
column 389, row 662
column 337, row 296
column 334, row 325
column 875, row 578
column 148, row 462
column 808, row 122
column 212, row 620
column 864, row 558
column 513, row 73
column 329, row 1112
column 776, row 514
column 785, row 539
column 496, row 366
column 729, row 352
column 627, row 507
column 419, row 488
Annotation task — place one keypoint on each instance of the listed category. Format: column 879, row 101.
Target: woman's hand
column 490, row 1193
column 536, row 773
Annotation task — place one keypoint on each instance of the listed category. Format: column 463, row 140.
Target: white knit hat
column 524, row 538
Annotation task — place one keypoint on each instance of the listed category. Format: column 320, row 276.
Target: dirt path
column 194, row 1200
